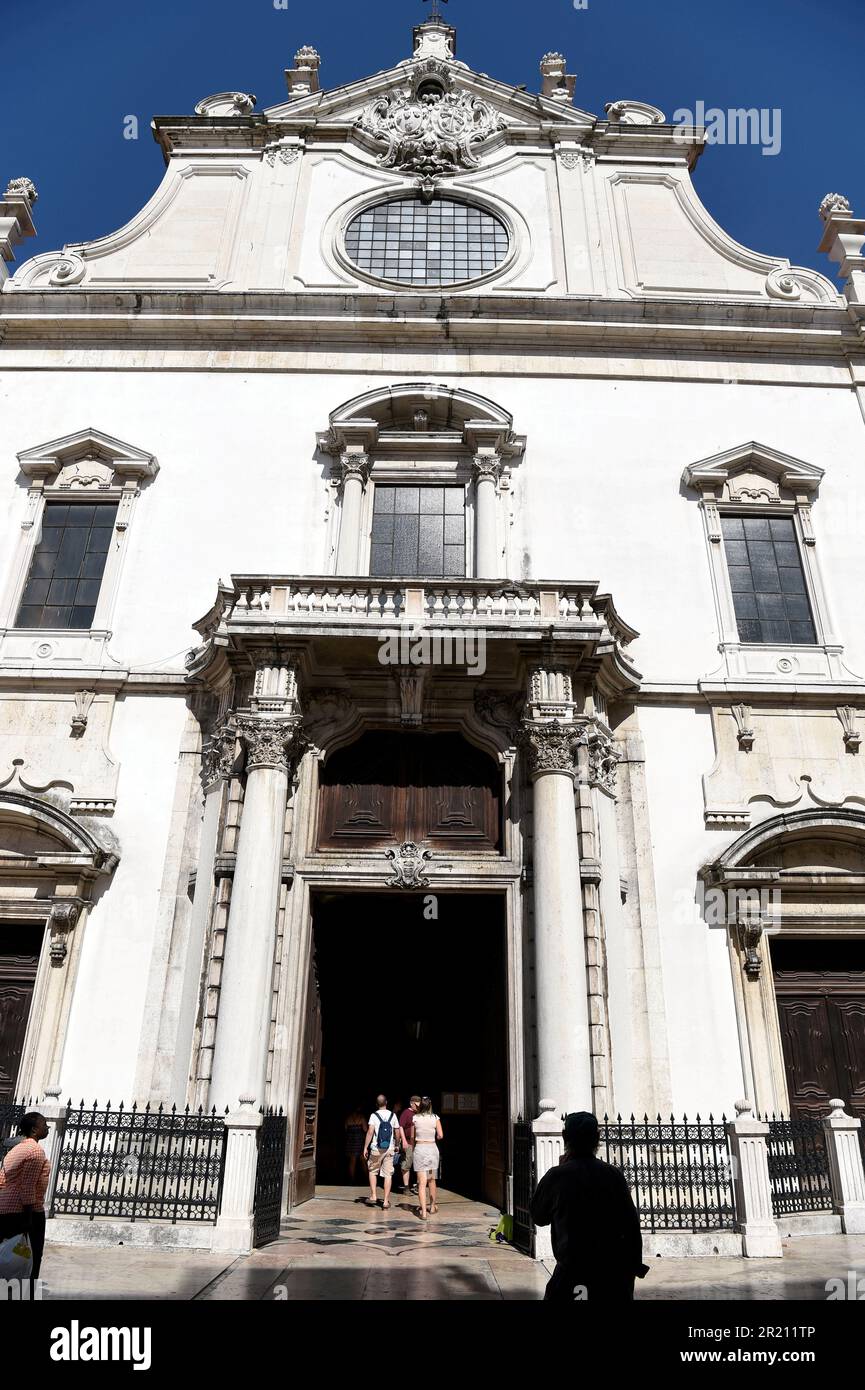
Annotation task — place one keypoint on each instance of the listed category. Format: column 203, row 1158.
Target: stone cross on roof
column 435, row 12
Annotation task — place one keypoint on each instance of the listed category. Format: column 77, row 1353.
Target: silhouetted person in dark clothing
column 596, row 1229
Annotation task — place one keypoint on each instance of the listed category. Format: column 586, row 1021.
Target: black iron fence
column 679, row 1171
column 523, row 1186
column 148, row 1164
column 798, row 1166
column 12, row 1113
column 269, row 1177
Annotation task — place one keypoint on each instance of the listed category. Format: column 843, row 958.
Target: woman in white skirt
column 426, row 1129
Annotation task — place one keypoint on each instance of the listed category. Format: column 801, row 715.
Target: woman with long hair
column 425, row 1130
column 355, row 1129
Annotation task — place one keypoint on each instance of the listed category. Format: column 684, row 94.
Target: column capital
column 273, row 743
column 487, row 466
column 354, row 463
column 550, row 746
column 219, row 755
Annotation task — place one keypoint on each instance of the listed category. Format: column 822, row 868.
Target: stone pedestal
column 845, row 1168
column 55, row 1117
column 234, row 1226
column 549, row 1148
column 564, row 1066
column 243, row 1023
column 750, row 1160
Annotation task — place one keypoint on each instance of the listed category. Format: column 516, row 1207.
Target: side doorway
column 20, row 947
column 820, row 989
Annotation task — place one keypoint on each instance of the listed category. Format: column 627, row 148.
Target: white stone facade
column 623, row 380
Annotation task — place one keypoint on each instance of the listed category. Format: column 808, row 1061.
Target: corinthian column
column 356, row 467
column 561, row 1008
column 487, row 469
column 243, row 1024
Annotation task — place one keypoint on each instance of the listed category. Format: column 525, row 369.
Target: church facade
column 431, row 653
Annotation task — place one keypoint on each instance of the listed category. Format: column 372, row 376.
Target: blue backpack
column 385, row 1132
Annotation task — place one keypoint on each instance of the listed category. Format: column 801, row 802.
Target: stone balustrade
column 317, row 601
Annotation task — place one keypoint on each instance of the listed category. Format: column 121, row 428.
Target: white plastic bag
column 16, row 1258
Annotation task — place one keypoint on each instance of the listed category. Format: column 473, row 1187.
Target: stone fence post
column 55, row 1117
column 750, row 1159
column 845, row 1168
column 234, row 1226
column 549, row 1140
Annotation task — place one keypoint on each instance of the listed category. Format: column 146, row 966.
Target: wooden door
column 433, row 789
column 19, row 958
column 495, row 1075
column 820, row 988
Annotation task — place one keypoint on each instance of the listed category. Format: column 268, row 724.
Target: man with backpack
column 382, row 1137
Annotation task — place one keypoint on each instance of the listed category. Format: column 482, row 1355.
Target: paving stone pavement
column 334, row 1248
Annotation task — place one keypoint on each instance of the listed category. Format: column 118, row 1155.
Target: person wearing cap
column 595, row 1225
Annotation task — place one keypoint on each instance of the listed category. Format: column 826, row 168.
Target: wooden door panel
column 436, row 790
column 807, row 1053
column 847, row 1020
column 306, row 1125
column 15, row 1001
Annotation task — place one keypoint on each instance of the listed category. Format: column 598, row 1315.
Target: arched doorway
column 408, row 989
column 795, row 906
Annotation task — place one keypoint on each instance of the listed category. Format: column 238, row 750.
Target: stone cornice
column 153, row 318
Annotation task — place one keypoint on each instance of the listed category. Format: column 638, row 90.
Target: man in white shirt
column 382, row 1137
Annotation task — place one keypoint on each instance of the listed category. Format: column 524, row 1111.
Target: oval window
column 418, row 243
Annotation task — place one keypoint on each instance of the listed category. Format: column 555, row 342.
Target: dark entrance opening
column 413, row 1006
column 19, row 959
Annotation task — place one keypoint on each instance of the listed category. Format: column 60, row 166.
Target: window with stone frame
column 418, row 531
column 67, row 565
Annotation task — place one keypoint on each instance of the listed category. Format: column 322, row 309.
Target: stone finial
column 834, row 202
column 16, row 219
column 15, row 187
column 743, row 1107
column 303, row 79
column 837, row 1108
column 843, row 240
column 558, row 83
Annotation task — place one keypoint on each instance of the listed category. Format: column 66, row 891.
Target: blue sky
column 71, row 76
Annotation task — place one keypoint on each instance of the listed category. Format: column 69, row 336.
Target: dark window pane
column 382, row 528
column 803, row 634
column 62, row 591
column 55, row 617
column 737, row 552
column 455, row 561
column 407, row 500
column 71, row 552
column 405, row 545
column 55, row 514
column 455, row 501
column 81, row 516
column 756, row 528
column 781, row 528
column 787, row 553
column 455, row 530
column 745, row 605
column 381, row 562
column 750, row 631
column 51, row 538
column 100, row 539
column 36, row 591
column 732, row 526
column 432, row 500
column 81, row 617
column 792, row 581
column 29, row 617
column 740, row 579
column 87, row 594
column 431, row 545
column 771, row 605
